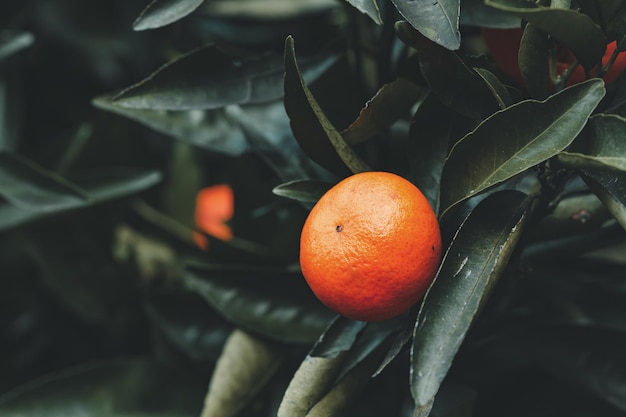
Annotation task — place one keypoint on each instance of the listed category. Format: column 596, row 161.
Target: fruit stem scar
column 338, row 228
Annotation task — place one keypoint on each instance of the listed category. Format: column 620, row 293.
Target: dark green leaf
column 478, row 255
column 575, row 30
column 315, row 133
column 12, row 42
column 515, row 139
column 101, row 186
column 429, row 140
column 437, row 20
column 390, row 103
column 456, row 85
column 369, row 7
column 160, row 13
column 275, row 302
column 210, row 78
column 306, row 191
column 268, row 133
column 610, row 187
column 602, row 11
column 499, row 91
column 271, row 10
column 534, row 61
column 339, row 337
column 590, row 358
column 29, row 186
column 188, row 324
column 477, row 13
column 122, row 388
column 607, row 148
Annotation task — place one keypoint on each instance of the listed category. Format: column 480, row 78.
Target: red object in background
column 504, row 44
column 215, row 205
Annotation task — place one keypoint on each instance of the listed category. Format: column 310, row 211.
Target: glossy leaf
column 429, row 140
column 591, row 358
column 268, row 133
column 607, row 148
column 574, row 29
column 323, row 385
column 29, row 186
column 602, row 11
column 120, row 388
column 305, row 191
column 515, row 139
column 456, row 85
column 319, row 139
column 210, row 77
column 437, row 20
column 390, row 103
column 472, row 264
column 161, row 13
column 534, row 61
column 272, row 301
column 369, row 7
column 610, row 187
column 340, row 336
column 101, row 186
column 311, row 381
column 271, row 10
column 499, row 91
column 12, row 42
column 477, row 13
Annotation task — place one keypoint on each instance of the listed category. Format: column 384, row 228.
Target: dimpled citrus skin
column 371, row 246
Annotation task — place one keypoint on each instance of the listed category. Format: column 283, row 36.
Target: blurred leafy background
column 115, row 115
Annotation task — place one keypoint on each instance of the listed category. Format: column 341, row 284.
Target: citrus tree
column 158, row 163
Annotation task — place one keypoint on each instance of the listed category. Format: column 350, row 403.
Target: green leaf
column 339, row 336
column 161, row 13
column 369, row 7
column 437, row 20
column 101, row 186
column 477, row 13
column 314, row 132
column 479, row 253
column 590, row 358
column 305, row 191
column 601, row 11
column 575, row 30
column 390, row 103
column 534, row 61
column 118, row 388
column 29, row 186
column 456, row 85
column 515, row 139
column 12, row 42
column 499, row 91
column 269, row 10
column 275, row 302
column 210, row 77
column 607, row 148
column 610, row 187
column 429, row 140
column 323, row 385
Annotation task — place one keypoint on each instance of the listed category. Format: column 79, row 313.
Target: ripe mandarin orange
column 214, row 207
column 504, row 45
column 371, row 246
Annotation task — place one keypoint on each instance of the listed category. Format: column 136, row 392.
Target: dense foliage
column 114, row 115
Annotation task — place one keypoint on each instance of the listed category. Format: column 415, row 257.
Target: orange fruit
column 370, row 246
column 504, row 44
column 215, row 205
